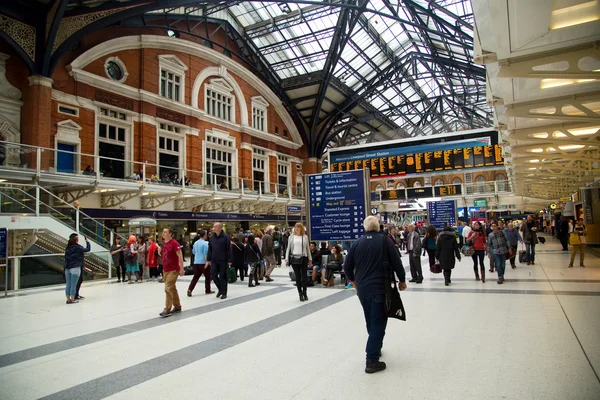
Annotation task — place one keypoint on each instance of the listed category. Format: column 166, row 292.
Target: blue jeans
column 500, row 261
column 376, row 319
column 71, row 276
column 530, row 248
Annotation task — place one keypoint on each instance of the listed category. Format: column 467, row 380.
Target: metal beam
column 113, row 199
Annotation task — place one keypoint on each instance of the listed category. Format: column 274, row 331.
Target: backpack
column 128, row 253
column 231, row 275
column 276, row 240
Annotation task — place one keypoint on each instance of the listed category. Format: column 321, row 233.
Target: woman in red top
column 477, row 239
column 153, row 258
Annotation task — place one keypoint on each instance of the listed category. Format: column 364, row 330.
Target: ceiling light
column 584, row 131
column 145, row 194
column 536, row 150
column 572, row 147
column 575, row 15
column 171, row 33
column 534, row 161
column 552, row 83
column 2, row 180
column 541, row 135
column 550, row 149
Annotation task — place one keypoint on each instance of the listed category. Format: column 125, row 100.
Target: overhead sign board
column 294, row 209
column 337, row 204
column 453, row 151
column 480, row 203
column 3, row 243
column 441, row 213
column 419, row 193
column 565, row 199
column 447, row 190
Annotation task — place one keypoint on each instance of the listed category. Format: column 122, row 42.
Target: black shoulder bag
column 393, row 303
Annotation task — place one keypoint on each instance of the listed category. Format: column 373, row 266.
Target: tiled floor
column 535, row 337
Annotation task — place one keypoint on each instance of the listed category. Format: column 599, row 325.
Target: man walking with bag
column 414, row 254
column 365, row 270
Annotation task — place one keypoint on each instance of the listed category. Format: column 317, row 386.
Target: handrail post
column 77, row 220
column 97, row 167
column 37, row 200
column 38, row 161
column 143, row 174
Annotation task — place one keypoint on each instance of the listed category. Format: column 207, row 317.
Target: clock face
column 114, row 70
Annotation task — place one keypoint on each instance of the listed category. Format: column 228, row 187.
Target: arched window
column 438, row 182
column 456, row 181
column 480, row 180
column 400, row 185
column 501, row 182
column 417, row 184
column 379, row 188
column 390, row 184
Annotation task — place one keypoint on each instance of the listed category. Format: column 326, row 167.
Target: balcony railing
column 46, row 162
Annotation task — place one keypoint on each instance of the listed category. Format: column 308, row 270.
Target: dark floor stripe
column 505, row 291
column 137, row 374
column 83, row 340
column 527, row 280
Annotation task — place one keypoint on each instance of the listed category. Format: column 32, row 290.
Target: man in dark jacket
column 364, row 269
column 219, row 258
column 563, row 233
column 446, row 251
column 413, row 245
column 268, row 253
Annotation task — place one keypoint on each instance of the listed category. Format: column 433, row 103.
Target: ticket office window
column 113, row 147
column 219, row 162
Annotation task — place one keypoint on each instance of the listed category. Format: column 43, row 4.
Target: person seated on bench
column 334, row 263
column 317, row 260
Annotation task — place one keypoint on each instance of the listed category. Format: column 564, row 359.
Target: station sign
column 441, row 213
column 480, row 203
column 294, row 209
column 337, row 204
column 419, row 193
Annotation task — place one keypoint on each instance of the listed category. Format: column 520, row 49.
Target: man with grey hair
column 268, row 253
column 364, row 269
column 414, row 254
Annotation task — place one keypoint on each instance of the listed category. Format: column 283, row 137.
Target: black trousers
column 301, row 271
column 240, row 270
column 431, row 254
column 153, row 273
column 447, row 275
column 415, row 266
column 564, row 240
column 218, row 272
column 120, row 268
column 278, row 256
column 79, row 282
column 461, row 241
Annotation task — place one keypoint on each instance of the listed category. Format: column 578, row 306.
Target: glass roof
column 427, row 45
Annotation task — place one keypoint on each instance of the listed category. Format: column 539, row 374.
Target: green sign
column 480, row 203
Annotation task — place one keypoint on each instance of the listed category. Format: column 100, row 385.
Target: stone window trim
column 228, row 144
column 169, row 131
column 172, row 64
column 119, row 122
column 260, row 110
column 67, row 132
column 67, row 110
column 220, row 86
column 121, row 64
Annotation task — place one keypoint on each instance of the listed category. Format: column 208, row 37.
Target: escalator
column 48, row 268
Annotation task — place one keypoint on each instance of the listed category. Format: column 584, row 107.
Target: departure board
column 458, row 151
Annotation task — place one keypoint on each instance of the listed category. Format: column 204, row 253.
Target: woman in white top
column 581, row 232
column 299, row 257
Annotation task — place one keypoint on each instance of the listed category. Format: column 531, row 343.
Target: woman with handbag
column 299, row 257
column 252, row 257
column 334, row 263
column 447, row 252
column 478, row 240
column 578, row 242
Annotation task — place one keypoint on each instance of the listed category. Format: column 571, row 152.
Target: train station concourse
column 240, row 154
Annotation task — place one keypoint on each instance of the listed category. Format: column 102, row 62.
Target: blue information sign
column 3, row 243
column 294, row 209
column 337, row 205
column 442, row 213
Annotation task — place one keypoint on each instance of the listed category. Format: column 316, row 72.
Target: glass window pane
column 112, row 132
column 102, row 130
column 176, row 93
column 121, row 134
column 176, row 145
column 161, row 142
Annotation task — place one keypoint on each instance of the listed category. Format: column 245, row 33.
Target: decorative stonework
column 68, row 132
column 6, row 88
column 22, row 34
column 113, row 100
column 170, row 115
column 68, row 26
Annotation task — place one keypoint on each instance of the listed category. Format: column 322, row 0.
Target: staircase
column 40, row 232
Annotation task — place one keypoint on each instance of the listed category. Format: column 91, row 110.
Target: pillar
column 36, row 127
